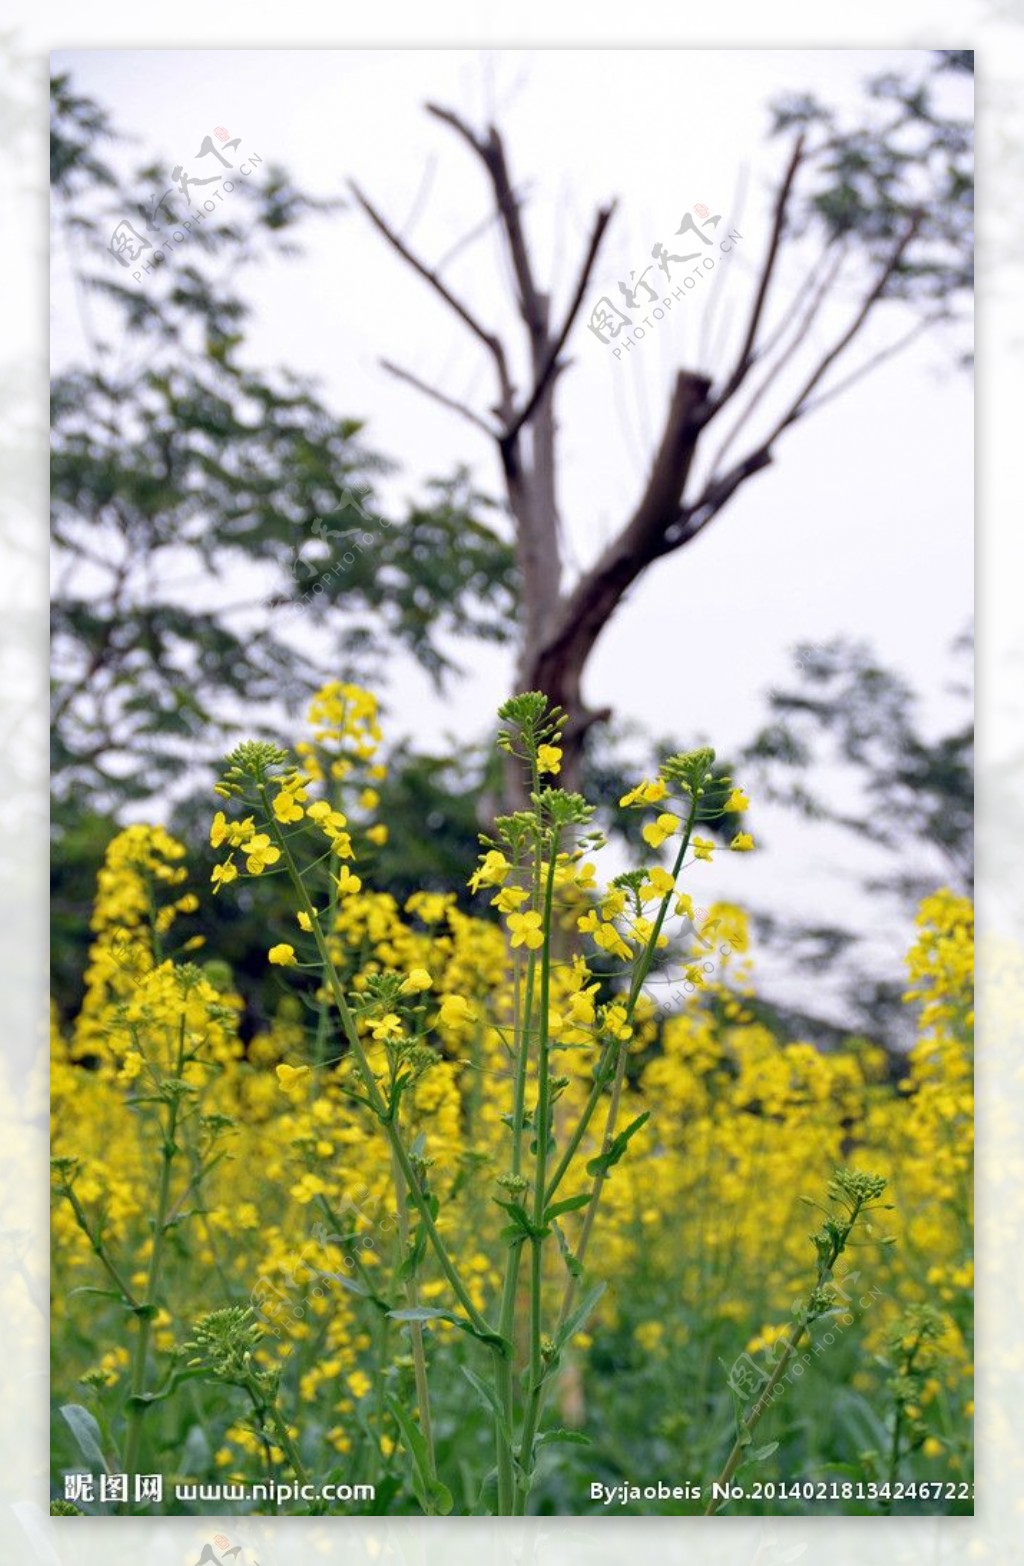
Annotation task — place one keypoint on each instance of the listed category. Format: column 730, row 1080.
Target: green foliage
column 905, row 791
column 218, row 550
column 899, row 159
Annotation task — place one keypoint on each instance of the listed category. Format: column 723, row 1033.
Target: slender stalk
column 539, row 1387
column 897, row 1431
column 504, row 1386
column 587, row 1114
column 542, row 1132
column 522, row 1065
column 749, row 1424
column 286, row 1443
column 419, row 1357
column 323, row 1018
column 137, row 1408
column 894, row 1452
column 99, row 1248
column 504, row 1379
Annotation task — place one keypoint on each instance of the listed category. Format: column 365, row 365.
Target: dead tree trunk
column 560, row 622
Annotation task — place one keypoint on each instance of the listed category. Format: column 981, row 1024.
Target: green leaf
column 443, row 1501
column 103, row 1294
column 579, row 1315
column 573, row 1267
column 424, row 1313
column 413, row 1258
column 487, row 1500
column 490, row 1398
column 759, row 1453
column 517, row 1211
column 571, row 1204
column 174, row 1380
column 432, row 1495
column 565, row 1437
column 354, row 1286
column 86, row 1432
column 521, row 1224
column 605, row 1161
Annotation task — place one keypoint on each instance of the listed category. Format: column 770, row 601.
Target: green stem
column 522, row 1061
column 285, row 1442
column 749, row 1424
column 897, row 1430
column 419, row 1357
column 320, row 1043
column 542, row 1133
column 596, row 1094
column 136, row 1407
column 99, row 1248
column 504, row 1380
column 539, row 1385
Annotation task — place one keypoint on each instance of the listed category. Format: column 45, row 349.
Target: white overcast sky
column 862, row 527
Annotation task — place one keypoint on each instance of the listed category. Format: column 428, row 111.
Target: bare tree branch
column 468, row 239
column 449, row 117
column 560, row 625
column 533, row 305
column 804, row 324
column 583, row 614
column 799, row 406
column 490, row 341
column 747, row 351
column 815, row 284
column 548, row 369
column 694, row 518
column 925, row 324
column 696, row 515
column 439, row 396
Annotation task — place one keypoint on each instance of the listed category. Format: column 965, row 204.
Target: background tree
column 880, row 210
column 218, row 548
column 845, row 746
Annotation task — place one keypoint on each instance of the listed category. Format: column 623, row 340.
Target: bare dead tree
column 562, row 620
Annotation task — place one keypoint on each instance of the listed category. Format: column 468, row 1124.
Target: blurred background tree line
column 221, row 546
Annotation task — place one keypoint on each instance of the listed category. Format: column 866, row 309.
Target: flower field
column 482, row 1221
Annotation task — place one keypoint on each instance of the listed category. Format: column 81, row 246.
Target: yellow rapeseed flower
column 655, row 832
column 526, row 929
column 288, row 1076
column 224, row 874
column 260, row 853
column 649, row 792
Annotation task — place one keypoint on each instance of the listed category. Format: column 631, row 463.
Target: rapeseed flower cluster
column 478, row 1141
